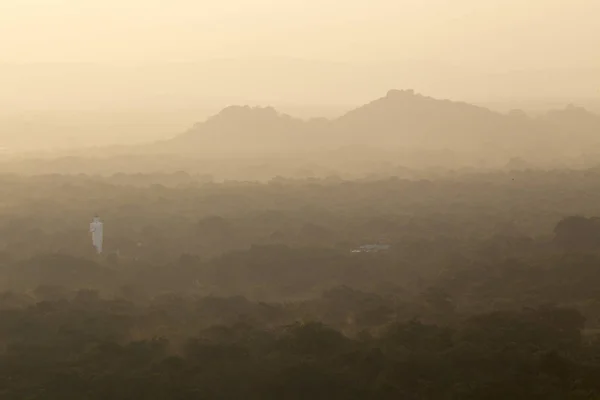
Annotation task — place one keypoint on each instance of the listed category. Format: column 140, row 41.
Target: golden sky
column 488, row 34
column 183, row 53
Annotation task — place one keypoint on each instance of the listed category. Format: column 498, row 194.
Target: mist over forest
column 299, row 200
column 409, row 248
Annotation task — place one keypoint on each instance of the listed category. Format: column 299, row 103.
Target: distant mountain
column 576, row 119
column 400, row 120
column 244, row 129
column 404, row 118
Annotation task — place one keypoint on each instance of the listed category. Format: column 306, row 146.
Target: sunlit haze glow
column 190, row 58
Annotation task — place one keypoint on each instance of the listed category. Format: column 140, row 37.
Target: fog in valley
column 299, row 200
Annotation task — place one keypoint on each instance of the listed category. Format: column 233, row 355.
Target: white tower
column 97, row 231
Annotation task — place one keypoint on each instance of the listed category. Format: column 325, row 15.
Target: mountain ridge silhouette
column 400, row 119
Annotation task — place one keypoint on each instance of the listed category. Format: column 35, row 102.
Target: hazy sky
column 491, row 34
column 178, row 53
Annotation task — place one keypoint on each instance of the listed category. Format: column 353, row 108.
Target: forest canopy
column 482, row 286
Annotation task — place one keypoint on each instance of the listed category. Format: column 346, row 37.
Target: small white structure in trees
column 97, row 231
column 372, row 248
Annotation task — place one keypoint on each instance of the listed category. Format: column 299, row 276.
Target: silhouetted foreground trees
column 88, row 348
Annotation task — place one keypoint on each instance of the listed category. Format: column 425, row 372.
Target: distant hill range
column 403, row 134
column 402, row 120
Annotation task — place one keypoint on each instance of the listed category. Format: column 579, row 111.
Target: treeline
column 46, row 214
